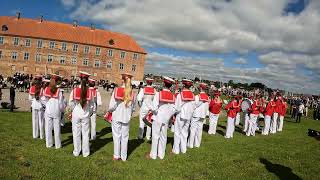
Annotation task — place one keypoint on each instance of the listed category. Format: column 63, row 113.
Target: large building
column 37, row 46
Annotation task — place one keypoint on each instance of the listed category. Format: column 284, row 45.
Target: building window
column 0, row 54
column 64, row 46
column 39, row 44
column 122, row 54
column 15, row 41
column 121, row 66
column 38, row 58
column 75, row 48
column 1, row 40
column 62, row 60
column 109, row 65
column 86, row 49
column 28, row 42
column 73, row 60
column 96, row 63
column 50, row 58
column 51, row 44
column 110, row 53
column 98, row 51
column 85, row 62
column 134, row 67
column 14, row 55
column 26, row 56
column 135, row 56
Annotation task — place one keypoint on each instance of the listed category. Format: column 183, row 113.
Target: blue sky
column 248, row 42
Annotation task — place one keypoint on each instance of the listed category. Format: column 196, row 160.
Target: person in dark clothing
column 12, row 97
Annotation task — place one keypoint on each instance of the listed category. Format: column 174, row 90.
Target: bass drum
column 245, row 105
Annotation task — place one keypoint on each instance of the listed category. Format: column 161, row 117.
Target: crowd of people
column 181, row 109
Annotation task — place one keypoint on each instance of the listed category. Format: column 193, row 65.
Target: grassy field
column 290, row 154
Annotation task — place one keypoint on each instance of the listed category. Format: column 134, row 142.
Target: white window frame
column 38, row 57
column 86, row 50
column 62, row 58
column 85, row 60
column 1, row 40
column 73, row 60
column 39, row 42
column 28, row 44
column 121, row 67
column 97, row 61
column 110, row 52
column 135, row 56
column 52, row 44
column 122, row 53
column 134, row 68
column 109, row 65
column 24, row 56
column 63, row 46
column 75, row 47
column 14, row 55
column 1, row 53
column 98, row 51
column 16, row 41
column 50, row 55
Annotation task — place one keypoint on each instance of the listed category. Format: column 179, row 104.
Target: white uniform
column 162, row 113
column 80, row 121
column 145, row 100
column 93, row 119
column 237, row 122
column 37, row 120
column 182, row 123
column 121, row 115
column 54, row 107
column 199, row 114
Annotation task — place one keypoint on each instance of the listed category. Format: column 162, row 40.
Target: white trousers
column 273, row 128
column 266, row 127
column 252, row 125
column 93, row 124
column 213, row 121
column 142, row 125
column 237, row 119
column 159, row 140
column 80, row 128
column 195, row 135
column 246, row 122
column 37, row 123
column 230, row 128
column 280, row 123
column 53, row 124
column 181, row 130
column 120, row 134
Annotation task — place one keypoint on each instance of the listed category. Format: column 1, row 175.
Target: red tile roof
column 26, row 27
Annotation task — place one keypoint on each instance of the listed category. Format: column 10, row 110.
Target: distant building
column 38, row 46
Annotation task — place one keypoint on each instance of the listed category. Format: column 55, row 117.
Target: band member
column 237, row 120
column 277, row 110
column 214, row 108
column 185, row 104
column 232, row 108
column 121, row 106
column 35, row 93
column 268, row 114
column 282, row 114
column 163, row 108
column 81, row 104
column 199, row 114
column 96, row 102
column 254, row 113
column 247, row 116
column 54, row 107
column 43, row 100
column 145, row 98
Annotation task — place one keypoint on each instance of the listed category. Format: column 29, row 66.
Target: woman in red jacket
column 232, row 109
column 267, row 115
column 214, row 109
column 282, row 114
column 255, row 109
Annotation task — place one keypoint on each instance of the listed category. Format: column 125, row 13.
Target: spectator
column 300, row 109
column 12, row 97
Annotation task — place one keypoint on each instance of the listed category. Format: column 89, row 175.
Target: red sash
column 203, row 97
column 148, row 90
column 77, row 94
column 48, row 93
column 32, row 90
column 93, row 91
column 187, row 95
column 166, row 96
column 119, row 93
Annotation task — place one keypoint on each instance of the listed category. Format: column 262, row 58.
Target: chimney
column 18, row 15
column 92, row 27
column 41, row 19
column 75, row 23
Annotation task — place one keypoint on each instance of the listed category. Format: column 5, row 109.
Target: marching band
column 185, row 111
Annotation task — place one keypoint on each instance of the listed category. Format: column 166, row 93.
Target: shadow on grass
column 134, row 144
column 170, row 140
column 220, row 132
column 67, row 128
column 206, row 127
column 223, row 127
column 68, row 141
column 98, row 143
column 290, row 120
column 282, row 172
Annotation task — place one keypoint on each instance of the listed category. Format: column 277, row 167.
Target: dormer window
column 111, row 42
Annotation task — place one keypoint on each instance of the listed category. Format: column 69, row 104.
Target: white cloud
column 68, row 3
column 240, row 61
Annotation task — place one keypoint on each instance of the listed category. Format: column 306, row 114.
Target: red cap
column 84, row 74
column 149, row 80
column 203, row 85
column 168, row 80
column 187, row 82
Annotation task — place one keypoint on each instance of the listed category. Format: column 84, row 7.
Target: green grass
column 286, row 155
